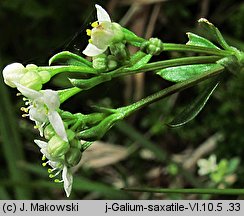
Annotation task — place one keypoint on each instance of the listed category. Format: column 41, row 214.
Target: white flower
column 13, row 73
column 104, row 32
column 57, row 168
column 42, row 108
column 207, row 166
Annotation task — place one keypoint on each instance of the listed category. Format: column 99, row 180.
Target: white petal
column 102, row 15
column 41, row 143
column 68, row 180
column 27, row 92
column 58, row 125
column 38, row 115
column 92, row 50
column 51, row 99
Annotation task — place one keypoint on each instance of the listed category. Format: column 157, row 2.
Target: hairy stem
column 169, row 91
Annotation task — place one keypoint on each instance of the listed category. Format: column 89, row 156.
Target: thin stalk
column 169, row 91
column 165, row 64
column 53, row 70
column 198, row 49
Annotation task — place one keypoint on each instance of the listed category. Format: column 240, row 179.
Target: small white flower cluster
column 103, row 34
column 62, row 150
column 42, row 108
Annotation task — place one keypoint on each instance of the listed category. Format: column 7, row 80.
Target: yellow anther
column 94, row 24
column 49, row 171
column 24, row 109
column 88, row 32
column 18, row 94
column 56, row 180
column 43, row 157
column 90, row 40
column 44, row 164
column 24, row 115
column 51, row 176
column 35, row 127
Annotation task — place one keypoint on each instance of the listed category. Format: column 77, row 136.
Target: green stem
column 189, row 190
column 169, row 91
column 53, row 70
column 165, row 64
column 67, row 93
column 123, row 71
column 191, row 48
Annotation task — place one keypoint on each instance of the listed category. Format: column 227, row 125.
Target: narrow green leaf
column 136, row 57
column 228, row 191
column 193, row 109
column 197, row 40
column 140, row 63
column 132, row 38
column 185, row 72
column 71, row 59
column 212, row 30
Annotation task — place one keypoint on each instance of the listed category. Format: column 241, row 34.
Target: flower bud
column 57, row 147
column 119, row 51
column 45, row 76
column 13, row 73
column 112, row 63
column 153, row 46
column 31, row 80
column 73, row 156
column 99, row 62
column 49, row 132
column 31, row 67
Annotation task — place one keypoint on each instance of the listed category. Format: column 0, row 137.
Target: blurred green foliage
column 34, row 30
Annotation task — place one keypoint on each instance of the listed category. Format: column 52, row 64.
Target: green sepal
column 140, row 63
column 185, row 72
column 194, row 108
column 71, row 58
column 212, row 30
column 197, row 40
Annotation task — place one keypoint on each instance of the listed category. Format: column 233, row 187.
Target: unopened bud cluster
column 59, row 150
column 28, row 76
